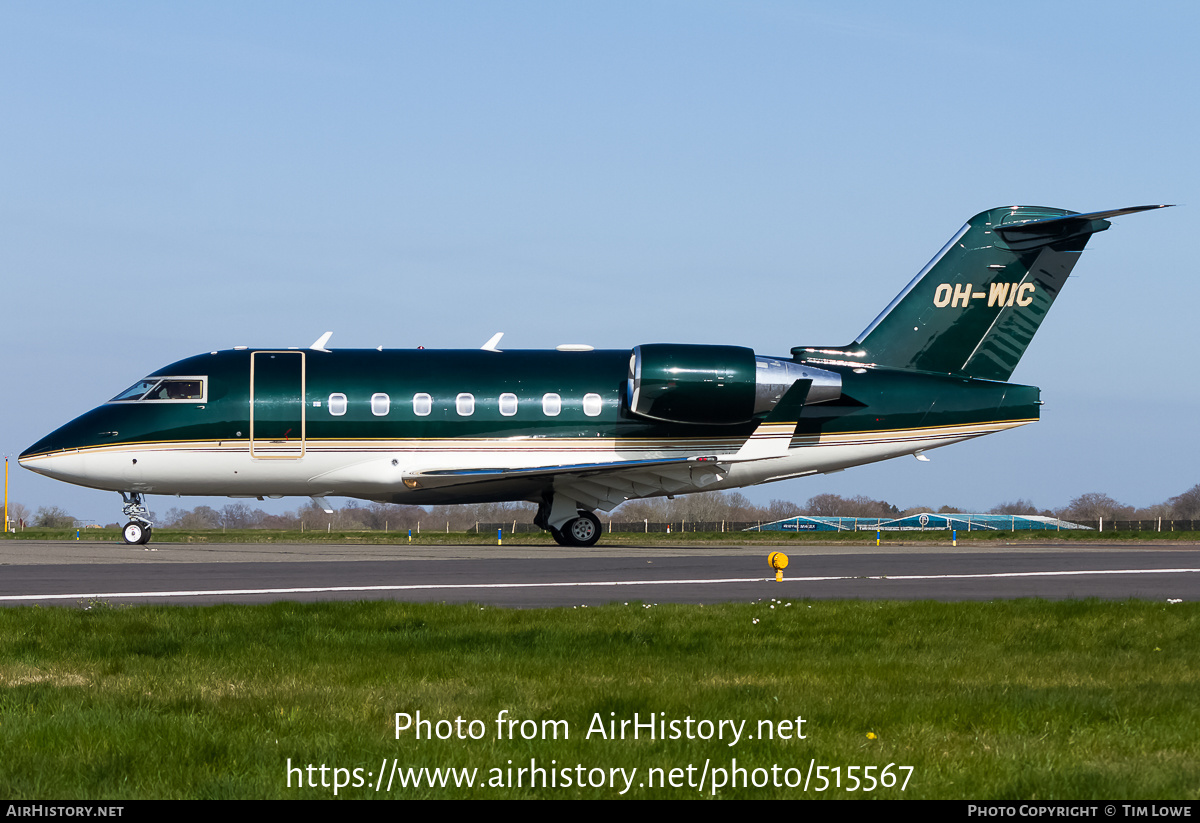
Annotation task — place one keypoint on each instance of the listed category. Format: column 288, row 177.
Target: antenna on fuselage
column 495, row 341
column 321, row 341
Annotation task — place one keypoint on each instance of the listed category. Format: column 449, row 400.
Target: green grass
column 1004, row 700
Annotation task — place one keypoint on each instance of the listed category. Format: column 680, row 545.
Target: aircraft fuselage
column 360, row 422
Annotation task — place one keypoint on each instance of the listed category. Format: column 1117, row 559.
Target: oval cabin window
column 381, row 404
column 465, row 404
column 551, row 405
column 337, row 404
column 592, row 405
column 422, row 404
column 508, row 404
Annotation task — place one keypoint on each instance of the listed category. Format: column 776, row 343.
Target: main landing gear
column 567, row 523
column 139, row 528
column 584, row 530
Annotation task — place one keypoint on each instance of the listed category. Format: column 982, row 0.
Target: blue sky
column 178, row 178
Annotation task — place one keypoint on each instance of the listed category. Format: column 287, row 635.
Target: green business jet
column 576, row 430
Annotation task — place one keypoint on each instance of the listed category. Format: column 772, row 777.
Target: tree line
column 728, row 506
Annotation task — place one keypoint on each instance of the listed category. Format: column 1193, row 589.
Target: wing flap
column 437, row 478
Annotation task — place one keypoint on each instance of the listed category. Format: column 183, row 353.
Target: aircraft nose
column 45, row 446
column 92, row 428
column 51, row 456
column 60, row 454
column 59, row 440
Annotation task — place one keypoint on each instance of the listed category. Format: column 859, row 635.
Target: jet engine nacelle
column 722, row 385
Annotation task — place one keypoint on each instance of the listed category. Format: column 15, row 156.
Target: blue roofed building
column 925, row 521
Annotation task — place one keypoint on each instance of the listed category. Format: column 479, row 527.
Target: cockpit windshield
column 179, row 389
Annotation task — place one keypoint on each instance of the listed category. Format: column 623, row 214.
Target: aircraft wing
column 599, row 485
column 607, row 485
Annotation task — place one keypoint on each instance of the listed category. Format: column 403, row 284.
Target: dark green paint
column 880, row 399
column 696, row 384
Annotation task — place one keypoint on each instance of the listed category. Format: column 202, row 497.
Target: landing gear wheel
column 137, row 530
column 560, row 537
column 584, row 530
column 135, row 533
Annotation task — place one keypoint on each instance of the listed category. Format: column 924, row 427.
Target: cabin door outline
column 277, row 402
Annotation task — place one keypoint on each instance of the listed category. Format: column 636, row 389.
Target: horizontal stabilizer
column 1055, row 229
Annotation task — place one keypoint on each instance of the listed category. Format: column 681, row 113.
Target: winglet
column 491, row 344
column 773, row 437
column 319, row 345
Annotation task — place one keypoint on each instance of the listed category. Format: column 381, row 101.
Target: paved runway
column 71, row 573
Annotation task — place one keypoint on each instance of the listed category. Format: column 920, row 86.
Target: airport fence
column 1160, row 524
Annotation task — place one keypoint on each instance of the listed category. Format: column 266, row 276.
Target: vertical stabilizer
column 974, row 309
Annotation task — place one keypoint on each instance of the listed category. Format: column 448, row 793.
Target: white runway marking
column 580, row 584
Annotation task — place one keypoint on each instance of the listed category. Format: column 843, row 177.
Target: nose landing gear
column 139, row 528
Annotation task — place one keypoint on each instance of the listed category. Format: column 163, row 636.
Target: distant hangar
column 925, row 521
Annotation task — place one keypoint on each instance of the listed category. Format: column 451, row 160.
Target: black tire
column 560, row 537
column 583, row 531
column 134, row 533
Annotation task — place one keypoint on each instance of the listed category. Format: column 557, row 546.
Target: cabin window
column 337, row 404
column 551, row 404
column 508, row 404
column 422, row 405
column 592, row 404
column 381, row 404
column 465, row 404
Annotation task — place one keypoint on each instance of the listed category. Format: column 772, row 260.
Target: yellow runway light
column 778, row 561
